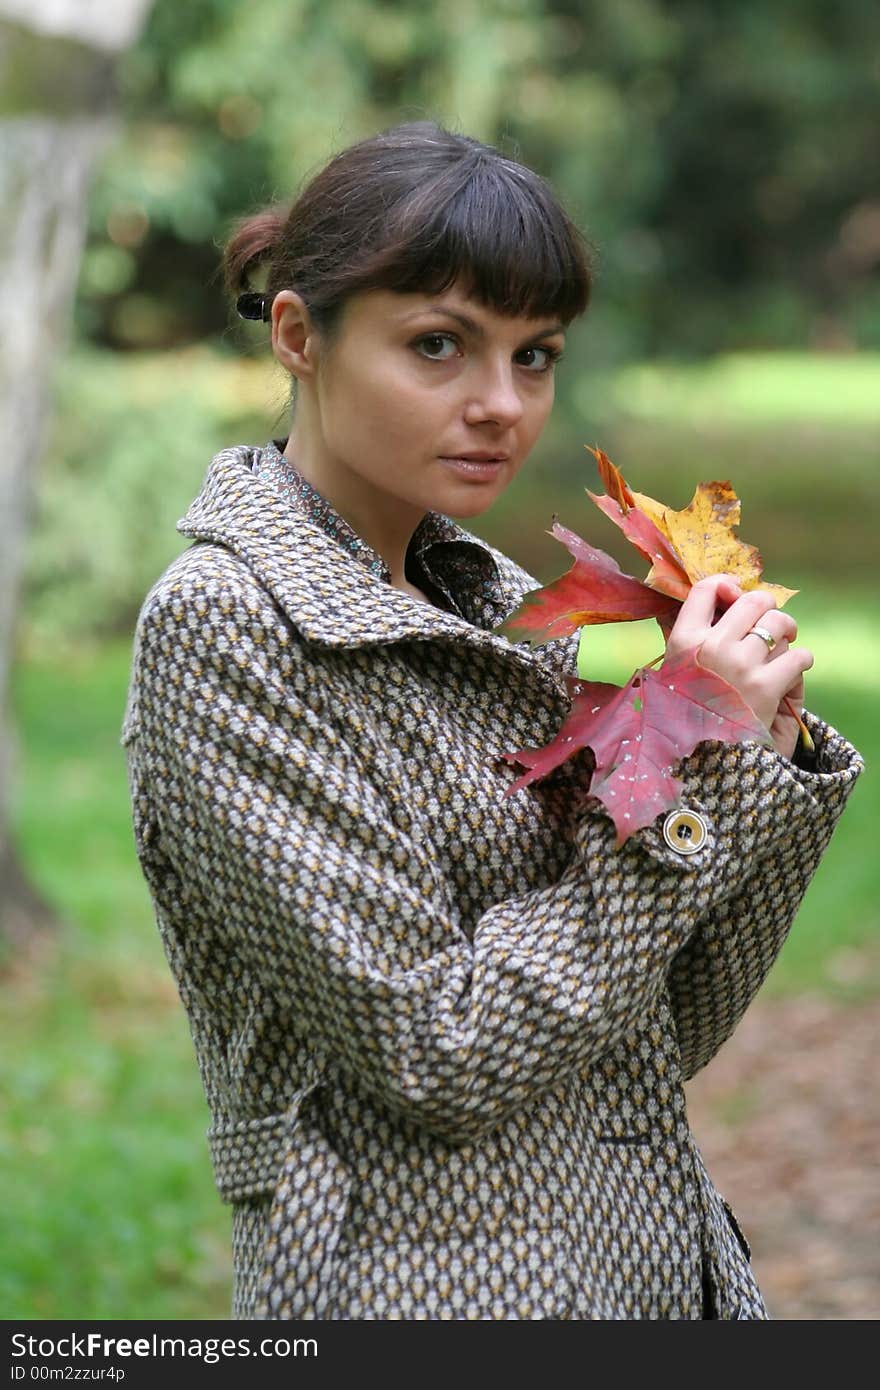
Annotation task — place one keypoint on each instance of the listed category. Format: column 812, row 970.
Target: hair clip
column 253, row 306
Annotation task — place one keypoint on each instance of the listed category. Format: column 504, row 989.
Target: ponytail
column 254, row 241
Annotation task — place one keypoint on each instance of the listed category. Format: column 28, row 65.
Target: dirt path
column 788, row 1119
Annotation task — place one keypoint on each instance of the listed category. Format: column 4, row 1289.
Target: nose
column 494, row 397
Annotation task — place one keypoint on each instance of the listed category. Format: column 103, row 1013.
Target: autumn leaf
column 687, row 545
column 639, row 732
column 593, row 590
column 615, row 484
column 704, row 536
column 588, row 699
column 639, row 519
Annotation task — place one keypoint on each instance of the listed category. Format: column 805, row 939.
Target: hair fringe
column 412, row 209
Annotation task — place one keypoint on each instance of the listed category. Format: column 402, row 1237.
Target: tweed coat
column 443, row 1033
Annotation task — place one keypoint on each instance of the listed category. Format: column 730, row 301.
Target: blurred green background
column 722, row 159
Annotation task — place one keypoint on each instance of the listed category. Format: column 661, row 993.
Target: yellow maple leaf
column 703, row 535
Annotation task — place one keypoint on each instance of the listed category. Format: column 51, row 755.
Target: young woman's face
column 430, row 402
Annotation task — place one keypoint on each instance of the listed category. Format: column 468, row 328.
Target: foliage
column 720, row 156
column 684, row 546
column 593, row 590
column 777, row 439
column 133, row 439
column 680, row 546
column 637, row 733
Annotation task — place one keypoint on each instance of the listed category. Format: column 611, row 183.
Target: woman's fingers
column 697, row 613
column 742, row 615
column 716, row 609
column 746, row 639
column 761, row 681
column 755, row 622
column 756, row 608
column 708, row 595
column 775, row 630
column 786, row 670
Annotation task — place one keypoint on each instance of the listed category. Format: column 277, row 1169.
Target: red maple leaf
column 594, row 590
column 639, row 732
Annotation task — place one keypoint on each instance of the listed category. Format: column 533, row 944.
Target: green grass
column 763, row 389
column 109, row 1207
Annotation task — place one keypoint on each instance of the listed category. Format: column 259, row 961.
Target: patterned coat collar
column 328, row 581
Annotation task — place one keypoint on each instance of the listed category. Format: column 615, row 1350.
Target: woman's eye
column 538, row 359
column 438, row 346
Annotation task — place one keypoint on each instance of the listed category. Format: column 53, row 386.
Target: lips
column 477, row 467
column 482, row 457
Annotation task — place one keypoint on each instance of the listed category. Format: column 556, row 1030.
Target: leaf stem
column 806, row 737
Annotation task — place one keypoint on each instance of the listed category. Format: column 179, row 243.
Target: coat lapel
column 330, row 595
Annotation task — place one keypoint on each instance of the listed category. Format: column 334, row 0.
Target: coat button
column 685, row 831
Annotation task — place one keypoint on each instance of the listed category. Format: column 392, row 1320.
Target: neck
column 387, row 528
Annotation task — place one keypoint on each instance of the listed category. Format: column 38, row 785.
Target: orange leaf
column 638, row 518
column 612, row 479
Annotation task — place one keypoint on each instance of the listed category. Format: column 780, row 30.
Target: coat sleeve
column 261, row 814
column 715, row 976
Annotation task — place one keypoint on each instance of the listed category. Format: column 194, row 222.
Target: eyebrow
column 472, row 326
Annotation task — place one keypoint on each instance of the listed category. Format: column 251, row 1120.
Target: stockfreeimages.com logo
column 94, row 1345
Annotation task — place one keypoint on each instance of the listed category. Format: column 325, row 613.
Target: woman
column 443, row 1033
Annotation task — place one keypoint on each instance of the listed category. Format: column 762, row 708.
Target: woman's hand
column 718, row 619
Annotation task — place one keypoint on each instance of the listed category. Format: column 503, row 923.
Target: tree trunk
column 57, row 114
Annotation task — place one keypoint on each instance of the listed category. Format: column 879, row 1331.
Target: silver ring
column 764, row 635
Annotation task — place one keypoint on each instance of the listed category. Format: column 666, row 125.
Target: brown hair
column 414, row 209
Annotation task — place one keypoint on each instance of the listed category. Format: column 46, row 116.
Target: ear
column 293, row 334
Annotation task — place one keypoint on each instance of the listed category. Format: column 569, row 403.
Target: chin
column 463, row 510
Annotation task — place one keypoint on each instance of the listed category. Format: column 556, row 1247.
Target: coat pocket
column 247, row 1156
column 306, row 1218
